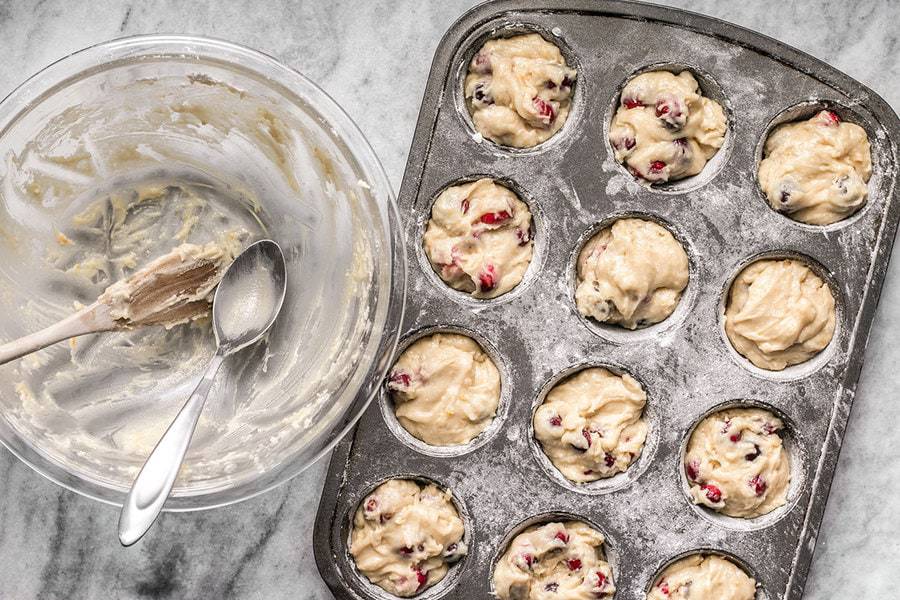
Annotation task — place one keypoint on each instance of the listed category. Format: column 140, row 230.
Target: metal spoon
column 245, row 305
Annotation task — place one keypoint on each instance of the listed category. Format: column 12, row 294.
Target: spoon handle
column 154, row 483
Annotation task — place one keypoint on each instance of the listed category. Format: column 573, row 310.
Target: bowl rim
column 57, row 74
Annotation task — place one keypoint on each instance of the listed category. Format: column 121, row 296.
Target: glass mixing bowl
column 120, row 152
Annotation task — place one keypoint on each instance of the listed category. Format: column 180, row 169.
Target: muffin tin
column 685, row 364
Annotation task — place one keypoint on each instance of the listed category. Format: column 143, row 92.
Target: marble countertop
column 373, row 58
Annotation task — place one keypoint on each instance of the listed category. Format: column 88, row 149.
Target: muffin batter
column 736, row 464
column 779, row 313
column 518, row 90
column 664, row 128
column 631, row 274
column 405, row 536
column 816, row 171
column 479, row 238
column 563, row 561
column 445, row 389
column 698, row 577
column 590, row 426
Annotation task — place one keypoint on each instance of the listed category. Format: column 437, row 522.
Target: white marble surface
column 373, row 58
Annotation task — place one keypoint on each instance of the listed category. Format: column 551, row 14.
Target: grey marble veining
column 373, row 58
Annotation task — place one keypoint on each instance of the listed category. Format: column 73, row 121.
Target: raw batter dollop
column 518, row 90
column 405, row 536
column 736, row 463
column 590, row 426
column 664, row 129
column 816, row 171
column 779, row 313
column 631, row 274
column 699, row 577
column 479, row 238
column 563, row 561
column 445, row 389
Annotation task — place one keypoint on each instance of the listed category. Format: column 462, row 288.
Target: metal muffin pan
column 687, row 367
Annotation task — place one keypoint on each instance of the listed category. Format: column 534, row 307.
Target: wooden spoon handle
column 90, row 319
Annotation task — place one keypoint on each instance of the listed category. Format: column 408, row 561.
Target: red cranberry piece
column 830, row 118
column 598, row 250
column 481, row 64
column 656, row 166
column 494, row 218
column 552, row 586
column 735, row 437
column 632, row 103
column 726, row 425
column 663, row 587
column 626, row 142
column 574, row 564
column 556, row 420
column 671, row 111
column 758, row 484
column 523, row 236
column 529, row 559
column 587, row 436
column 421, row 577
column 769, row 428
column 464, row 205
column 400, row 379
column 601, row 579
column 371, row 505
column 713, row 493
column 453, row 552
column 692, row 469
column 481, row 96
column 488, row 278
column 562, row 536
column 609, row 460
column 755, row 454
column 544, row 109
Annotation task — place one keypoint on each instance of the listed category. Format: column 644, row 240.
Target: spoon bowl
column 249, row 297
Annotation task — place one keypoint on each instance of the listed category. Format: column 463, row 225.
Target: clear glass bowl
column 120, row 152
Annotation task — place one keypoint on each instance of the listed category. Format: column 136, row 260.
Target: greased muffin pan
column 501, row 482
